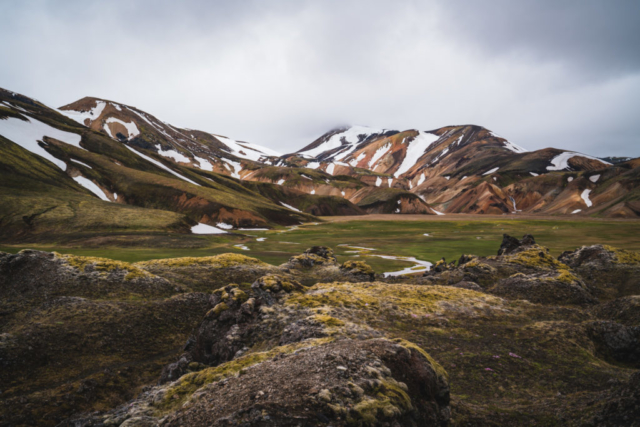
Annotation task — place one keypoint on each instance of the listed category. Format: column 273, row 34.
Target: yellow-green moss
column 536, row 257
column 218, row 261
column 479, row 265
column 317, row 259
column 361, row 266
column 623, row 256
column 565, row 276
column 217, row 310
column 439, row 370
column 389, row 400
column 328, row 320
column 375, row 296
column 189, row 383
column 103, row 265
column 271, row 282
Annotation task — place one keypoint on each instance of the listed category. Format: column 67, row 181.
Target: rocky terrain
column 519, row 338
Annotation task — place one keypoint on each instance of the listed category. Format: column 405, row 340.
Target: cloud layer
column 280, row 73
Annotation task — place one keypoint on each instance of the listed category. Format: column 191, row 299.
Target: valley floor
column 427, row 238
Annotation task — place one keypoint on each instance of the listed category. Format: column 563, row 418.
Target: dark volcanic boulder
column 361, row 383
column 313, row 257
column 233, row 325
column 624, row 310
column 615, row 341
column 622, row 407
column 611, row 272
column 545, row 288
column 358, row 270
column 512, row 245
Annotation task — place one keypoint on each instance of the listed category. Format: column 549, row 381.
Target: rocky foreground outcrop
column 521, row 338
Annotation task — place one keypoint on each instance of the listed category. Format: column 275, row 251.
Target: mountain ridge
column 348, row 170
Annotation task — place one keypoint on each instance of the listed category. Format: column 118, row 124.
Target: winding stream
column 418, row 267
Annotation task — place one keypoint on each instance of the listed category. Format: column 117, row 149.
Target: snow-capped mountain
column 453, row 169
column 196, row 148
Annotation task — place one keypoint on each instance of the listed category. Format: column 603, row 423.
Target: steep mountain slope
column 469, row 169
column 58, row 175
column 184, row 146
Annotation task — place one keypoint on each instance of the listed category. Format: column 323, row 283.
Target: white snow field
column 415, row 150
column 350, row 136
column 91, row 186
column 80, row 116
column 585, row 197
column 491, row 171
column 561, row 161
column 289, row 207
column 173, row 154
column 132, row 129
column 160, row 165
column 27, row 134
column 206, row 229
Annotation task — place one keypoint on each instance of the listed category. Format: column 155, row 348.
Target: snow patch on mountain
column 585, row 197
column 245, row 150
column 289, row 207
column 206, row 229
column 28, row 133
column 237, row 167
column 131, row 127
column 173, row 154
column 81, row 116
column 514, row 147
column 491, row 171
column 561, row 161
column 351, row 136
column 80, row 163
column 204, row 164
column 313, row 165
column 417, row 147
column 91, row 186
column 160, row 165
column 378, row 155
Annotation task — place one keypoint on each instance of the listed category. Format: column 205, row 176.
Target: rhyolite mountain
column 454, row 169
column 469, row 169
column 99, row 165
column 59, row 175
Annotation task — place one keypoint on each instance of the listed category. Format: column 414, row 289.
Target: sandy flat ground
column 468, row 217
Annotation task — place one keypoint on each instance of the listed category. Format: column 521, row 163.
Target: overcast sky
column 280, row 73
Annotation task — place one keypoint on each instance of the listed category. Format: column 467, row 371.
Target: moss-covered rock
column 317, row 256
column 563, row 288
column 358, row 270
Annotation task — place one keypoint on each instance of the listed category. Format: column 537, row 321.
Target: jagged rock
column 464, row 258
column 624, row 310
column 234, row 324
column 622, row 407
column 512, row 245
column 359, row 270
column 312, row 257
column 612, row 272
column 372, row 382
column 615, row 341
column 545, row 288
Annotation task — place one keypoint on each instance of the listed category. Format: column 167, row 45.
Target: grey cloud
column 280, row 73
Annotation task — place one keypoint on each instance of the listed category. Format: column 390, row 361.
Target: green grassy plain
column 447, row 239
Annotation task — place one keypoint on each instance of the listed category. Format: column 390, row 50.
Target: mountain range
column 99, row 165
